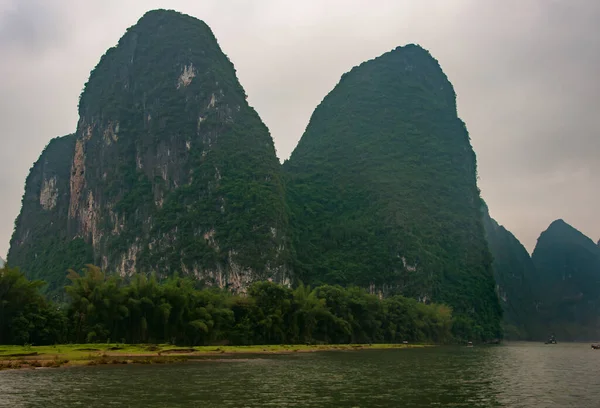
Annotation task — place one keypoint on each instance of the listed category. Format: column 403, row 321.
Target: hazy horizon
column 525, row 78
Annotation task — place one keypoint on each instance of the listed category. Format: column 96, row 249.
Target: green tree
column 25, row 315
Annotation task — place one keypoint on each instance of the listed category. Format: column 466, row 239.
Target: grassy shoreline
column 68, row 355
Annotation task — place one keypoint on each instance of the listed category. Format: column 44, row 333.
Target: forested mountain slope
column 382, row 188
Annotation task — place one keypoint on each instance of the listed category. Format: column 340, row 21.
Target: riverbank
column 67, row 355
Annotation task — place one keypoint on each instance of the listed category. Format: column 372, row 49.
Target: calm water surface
column 515, row 375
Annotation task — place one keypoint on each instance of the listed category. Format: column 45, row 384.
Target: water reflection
column 519, row 375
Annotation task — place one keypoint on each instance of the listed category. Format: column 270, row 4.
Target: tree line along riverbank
column 100, row 308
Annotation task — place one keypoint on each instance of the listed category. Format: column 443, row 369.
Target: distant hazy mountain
column 567, row 285
column 1, row 262
column 513, row 272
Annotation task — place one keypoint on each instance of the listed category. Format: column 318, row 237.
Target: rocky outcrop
column 41, row 245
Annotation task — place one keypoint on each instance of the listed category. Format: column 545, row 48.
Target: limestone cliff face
column 41, row 244
column 170, row 169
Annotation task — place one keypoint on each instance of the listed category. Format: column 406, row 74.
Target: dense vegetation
column 103, row 308
column 513, row 272
column 26, row 316
column 566, row 283
column 382, row 188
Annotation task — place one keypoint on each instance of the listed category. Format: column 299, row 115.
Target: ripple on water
column 515, row 375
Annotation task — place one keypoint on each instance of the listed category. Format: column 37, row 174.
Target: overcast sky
column 525, row 72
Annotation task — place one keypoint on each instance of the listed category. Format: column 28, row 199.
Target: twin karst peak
column 170, row 170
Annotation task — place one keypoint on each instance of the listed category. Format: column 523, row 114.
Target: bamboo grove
column 100, row 307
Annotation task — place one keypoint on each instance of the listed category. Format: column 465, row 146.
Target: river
column 512, row 375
